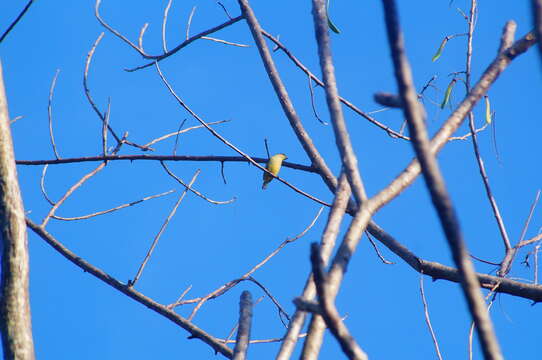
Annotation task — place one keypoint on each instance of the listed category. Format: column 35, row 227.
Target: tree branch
column 195, row 332
column 436, row 186
column 15, row 318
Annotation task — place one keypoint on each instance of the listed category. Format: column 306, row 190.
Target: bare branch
column 157, row 58
column 195, row 332
column 50, row 113
column 439, row 271
column 328, row 239
column 229, row 144
column 506, row 264
column 336, row 275
column 409, row 174
column 164, row 22
column 287, row 106
column 537, row 19
column 243, row 332
column 141, row 34
column 112, row 209
column 342, row 137
column 303, row 68
column 15, row 318
column 118, row 34
column 436, row 186
column 329, row 312
column 162, row 229
column 224, row 288
column 17, row 19
column 481, row 167
column 224, row 41
column 188, row 187
column 42, row 186
column 198, row 158
column 190, row 22
column 427, row 319
column 164, row 137
column 530, row 241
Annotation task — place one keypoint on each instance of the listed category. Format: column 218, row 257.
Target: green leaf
column 488, row 110
column 330, row 23
column 447, row 94
column 332, row 26
column 439, row 51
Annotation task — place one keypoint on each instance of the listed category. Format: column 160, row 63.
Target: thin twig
column 141, row 34
column 42, row 185
column 224, row 42
column 17, row 19
column 478, row 156
column 352, row 107
column 15, row 119
column 156, row 58
column 179, row 131
column 378, row 251
column 118, row 34
column 506, row 264
column 427, row 319
column 190, row 22
column 225, row 10
column 74, row 187
column 313, row 104
column 162, row 229
column 188, row 187
column 222, row 289
column 536, row 248
column 164, row 22
column 177, row 137
column 50, row 113
column 469, row 134
column 229, row 144
column 105, row 125
column 528, row 220
column 265, row 142
column 181, row 297
column 112, row 209
column 87, row 90
column 222, row 172
column 195, row 332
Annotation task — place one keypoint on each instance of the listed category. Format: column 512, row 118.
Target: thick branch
column 342, row 137
column 243, row 332
column 15, row 321
column 436, row 186
column 317, row 160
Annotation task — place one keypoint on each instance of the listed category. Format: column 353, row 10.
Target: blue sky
column 77, row 316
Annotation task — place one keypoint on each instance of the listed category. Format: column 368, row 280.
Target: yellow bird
column 273, row 165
